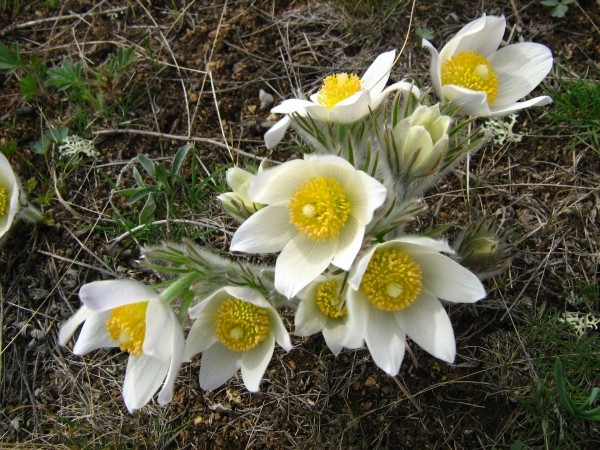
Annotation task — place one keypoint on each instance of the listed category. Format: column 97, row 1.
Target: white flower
column 472, row 73
column 132, row 316
column 322, row 310
column 394, row 291
column 234, row 328
column 9, row 195
column 343, row 98
column 316, row 214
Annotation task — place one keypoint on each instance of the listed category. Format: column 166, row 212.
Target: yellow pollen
column 240, row 325
column 3, row 201
column 336, row 88
column 320, row 208
column 392, row 281
column 472, row 71
column 329, row 300
column 127, row 326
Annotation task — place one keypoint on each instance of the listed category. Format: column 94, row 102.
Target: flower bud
column 237, row 202
column 483, row 250
column 422, row 141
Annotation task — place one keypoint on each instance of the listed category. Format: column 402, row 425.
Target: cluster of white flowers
column 336, row 220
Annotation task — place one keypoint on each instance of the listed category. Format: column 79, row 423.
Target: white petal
column 385, row 340
column 359, row 269
column 237, row 177
column 166, row 393
column 351, row 109
column 358, row 315
column 309, row 319
column 254, row 363
column 470, row 102
column 200, row 337
column 366, row 194
column 448, row 280
column 68, row 328
column 482, row 36
column 160, row 331
column 519, row 68
column 376, row 76
column 94, row 335
column 399, row 86
column 335, row 334
column 280, row 333
column 266, row 231
column 293, row 105
column 509, row 109
column 143, row 377
column 426, row 322
column 275, row 134
column 434, row 68
column 218, row 365
column 349, row 243
column 109, row 294
column 421, row 244
column 8, row 181
column 277, row 184
column 301, row 261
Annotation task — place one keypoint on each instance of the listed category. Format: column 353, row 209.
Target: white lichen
column 502, row 130
column 73, row 146
column 581, row 322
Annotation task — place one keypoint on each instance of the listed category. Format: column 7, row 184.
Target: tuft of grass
column 576, row 109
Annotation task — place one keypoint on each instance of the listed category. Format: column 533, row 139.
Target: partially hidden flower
column 9, row 195
column 421, row 140
column 316, row 214
column 394, row 292
column 237, row 202
column 132, row 316
column 322, row 309
column 343, row 98
column 234, row 328
column 472, row 73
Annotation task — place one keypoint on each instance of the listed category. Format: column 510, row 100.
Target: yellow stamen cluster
column 3, row 201
column 127, row 326
column 336, row 88
column 240, row 325
column 320, row 208
column 392, row 281
column 329, row 300
column 472, row 71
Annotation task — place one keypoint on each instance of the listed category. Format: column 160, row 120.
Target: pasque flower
column 237, row 202
column 234, row 328
column 9, row 195
column 132, row 316
column 394, row 292
column 472, row 73
column 322, row 310
column 343, row 98
column 316, row 214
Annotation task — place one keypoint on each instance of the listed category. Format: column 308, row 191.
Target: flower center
column 336, row 88
column 319, row 208
column 392, row 281
column 472, row 71
column 127, row 326
column 240, row 325
column 3, row 201
column 329, row 300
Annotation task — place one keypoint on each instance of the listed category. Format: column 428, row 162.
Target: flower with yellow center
column 393, row 293
column 322, row 309
column 234, row 328
column 9, row 195
column 316, row 214
column 482, row 80
column 130, row 315
column 342, row 98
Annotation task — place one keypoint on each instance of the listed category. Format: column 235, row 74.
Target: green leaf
column 28, row 87
column 138, row 194
column 68, row 76
column 147, row 212
column 147, row 164
column 10, row 60
column 559, row 11
column 549, row 2
column 138, row 177
column 180, row 158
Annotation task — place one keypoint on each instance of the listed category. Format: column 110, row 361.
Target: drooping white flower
column 316, row 214
column 394, row 292
column 471, row 72
column 343, row 98
column 237, row 202
column 322, row 310
column 132, row 316
column 9, row 195
column 234, row 328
